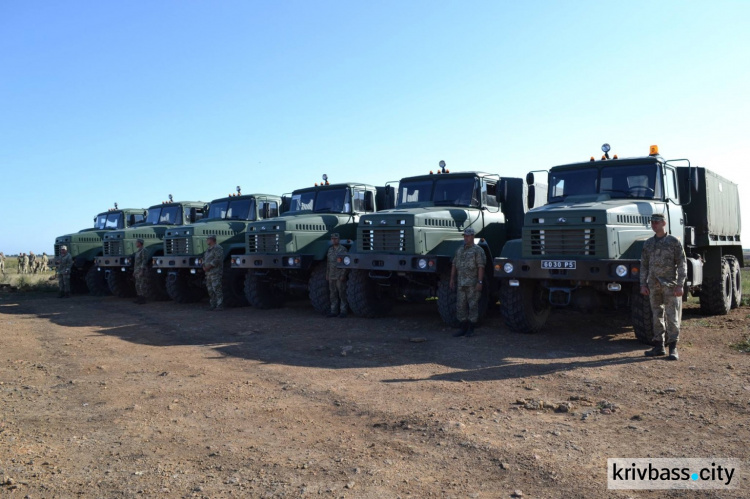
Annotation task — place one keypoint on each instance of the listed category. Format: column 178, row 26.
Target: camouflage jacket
column 468, row 261
column 332, row 273
column 663, row 260
column 65, row 263
column 215, row 258
column 140, row 262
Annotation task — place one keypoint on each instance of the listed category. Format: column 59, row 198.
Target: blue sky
column 130, row 101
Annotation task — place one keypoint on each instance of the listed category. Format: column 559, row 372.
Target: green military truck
column 405, row 253
column 85, row 245
column 228, row 218
column 286, row 255
column 583, row 248
column 116, row 262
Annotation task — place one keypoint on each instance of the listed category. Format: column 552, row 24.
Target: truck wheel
column 318, row 289
column 716, row 295
column 366, row 298
column 156, row 286
column 447, row 299
column 641, row 316
column 525, row 308
column 184, row 289
column 78, row 282
column 734, row 270
column 120, row 283
column 233, row 286
column 261, row 293
column 96, row 282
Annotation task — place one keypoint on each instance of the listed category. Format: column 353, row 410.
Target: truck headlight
column 290, row 261
column 126, row 261
column 347, row 260
column 508, row 268
column 621, row 270
column 422, row 263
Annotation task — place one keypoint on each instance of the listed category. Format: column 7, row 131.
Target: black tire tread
column 181, row 290
column 96, row 282
column 318, row 289
column 364, row 297
column 713, row 298
column 517, row 306
column 260, row 293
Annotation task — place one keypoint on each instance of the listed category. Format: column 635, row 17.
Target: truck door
column 676, row 222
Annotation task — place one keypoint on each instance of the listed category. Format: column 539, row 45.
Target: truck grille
column 563, row 242
column 384, row 240
column 113, row 248
column 263, row 243
column 177, row 246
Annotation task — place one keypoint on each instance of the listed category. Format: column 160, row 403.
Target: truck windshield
column 322, row 201
column 235, row 209
column 164, row 215
column 458, row 191
column 632, row 181
column 109, row 221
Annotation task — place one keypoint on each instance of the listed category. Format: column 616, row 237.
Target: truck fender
column 512, row 249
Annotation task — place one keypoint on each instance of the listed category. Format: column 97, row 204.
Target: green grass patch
column 742, row 346
column 28, row 284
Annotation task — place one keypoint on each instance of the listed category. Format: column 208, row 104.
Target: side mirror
column 501, row 193
column 131, row 219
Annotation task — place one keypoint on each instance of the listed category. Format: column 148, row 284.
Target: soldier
column 468, row 269
column 32, row 263
column 336, row 279
column 663, row 273
column 45, row 262
column 64, row 263
column 140, row 272
column 19, row 267
column 213, row 266
column 25, row 263
column 2, row 262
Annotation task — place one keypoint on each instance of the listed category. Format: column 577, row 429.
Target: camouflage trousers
column 215, row 291
column 667, row 313
column 467, row 303
column 337, row 296
column 63, row 282
column 2, row 267
column 141, row 283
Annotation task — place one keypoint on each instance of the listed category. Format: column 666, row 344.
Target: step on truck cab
column 583, row 248
column 227, row 219
column 286, row 255
column 85, row 245
column 405, row 253
column 118, row 248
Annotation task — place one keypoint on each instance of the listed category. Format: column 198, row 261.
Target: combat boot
column 219, row 307
column 657, row 351
column 332, row 314
column 67, row 294
column 61, row 294
column 463, row 330
column 470, row 330
column 673, row 355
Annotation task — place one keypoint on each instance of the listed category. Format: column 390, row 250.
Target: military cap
column 468, row 231
column 139, row 240
column 211, row 236
column 334, row 235
column 63, row 247
column 657, row 217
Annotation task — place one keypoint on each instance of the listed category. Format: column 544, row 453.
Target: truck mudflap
column 280, row 261
column 124, row 262
column 556, row 269
column 429, row 264
column 168, row 263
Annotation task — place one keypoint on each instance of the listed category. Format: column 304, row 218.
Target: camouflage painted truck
column 182, row 258
column 405, row 253
column 286, row 255
column 116, row 263
column 85, row 245
column 583, row 248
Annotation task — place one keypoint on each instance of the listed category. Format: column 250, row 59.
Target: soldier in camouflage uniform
column 468, row 270
column 25, row 263
column 663, row 274
column 2, row 262
column 32, row 263
column 45, row 262
column 213, row 266
column 336, row 279
column 140, row 272
column 64, row 263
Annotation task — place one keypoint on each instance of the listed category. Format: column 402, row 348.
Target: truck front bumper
column 429, row 264
column 266, row 261
column 181, row 262
column 124, row 263
column 561, row 269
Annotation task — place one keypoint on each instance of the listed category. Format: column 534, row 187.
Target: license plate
column 558, row 264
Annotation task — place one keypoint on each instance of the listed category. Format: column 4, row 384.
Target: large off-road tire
column 261, row 293
column 183, row 287
column 524, row 308
column 78, row 282
column 366, row 298
column 447, row 299
column 736, row 273
column 96, row 281
column 716, row 295
column 156, row 286
column 120, row 283
column 319, row 291
column 233, row 286
column 641, row 316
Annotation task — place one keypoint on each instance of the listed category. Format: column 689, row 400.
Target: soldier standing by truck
column 663, row 274
column 213, row 262
column 336, row 279
column 63, row 265
column 140, row 272
column 468, row 270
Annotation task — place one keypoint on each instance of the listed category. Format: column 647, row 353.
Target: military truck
column 228, row 218
column 119, row 248
column 583, row 248
column 286, row 255
column 405, row 253
column 85, row 245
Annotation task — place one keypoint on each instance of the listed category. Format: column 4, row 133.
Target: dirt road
column 104, row 398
